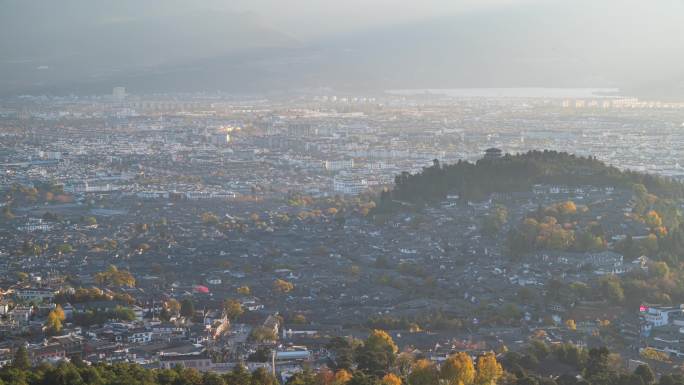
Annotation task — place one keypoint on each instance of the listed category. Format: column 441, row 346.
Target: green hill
column 515, row 173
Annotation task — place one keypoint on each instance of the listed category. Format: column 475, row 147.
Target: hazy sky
column 455, row 42
column 314, row 18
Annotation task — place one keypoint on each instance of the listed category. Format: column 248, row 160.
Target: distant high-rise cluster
column 619, row 103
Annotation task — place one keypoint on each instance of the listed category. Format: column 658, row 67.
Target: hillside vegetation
column 514, row 173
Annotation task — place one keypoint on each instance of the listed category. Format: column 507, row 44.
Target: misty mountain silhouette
column 526, row 46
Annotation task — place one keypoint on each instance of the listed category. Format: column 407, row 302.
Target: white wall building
column 337, row 165
column 350, row 185
column 657, row 316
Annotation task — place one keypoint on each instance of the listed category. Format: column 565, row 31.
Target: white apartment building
column 656, row 316
column 349, row 185
column 337, row 165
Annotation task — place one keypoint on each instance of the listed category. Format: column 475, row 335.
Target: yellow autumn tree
column 379, row 340
column 660, row 231
column 209, row 219
column 423, row 372
column 652, row 354
column 53, row 324
column 60, row 313
column 233, row 308
column 115, row 277
column 325, row 376
column 243, row 290
column 282, row 286
column 391, row 379
column 342, row 376
column 653, row 219
column 173, row 306
column 458, row 369
column 567, row 207
column 489, row 370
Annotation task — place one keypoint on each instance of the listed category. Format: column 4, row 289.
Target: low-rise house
column 200, row 361
column 658, row 316
column 4, row 307
column 95, row 306
column 5, row 357
column 68, row 311
column 215, row 315
column 251, row 304
column 168, row 331
column 49, row 352
column 293, row 355
column 72, row 344
column 21, row 314
column 294, row 332
column 139, row 336
column 272, row 322
column 668, row 339
column 607, row 262
column 198, row 334
column 35, row 294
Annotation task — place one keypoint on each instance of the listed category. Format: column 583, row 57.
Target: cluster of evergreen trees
column 514, row 173
column 596, row 366
column 77, row 372
column 374, row 361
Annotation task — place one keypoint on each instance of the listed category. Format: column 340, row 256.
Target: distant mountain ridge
column 583, row 44
column 69, row 53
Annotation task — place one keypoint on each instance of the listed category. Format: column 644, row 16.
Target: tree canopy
column 514, row 173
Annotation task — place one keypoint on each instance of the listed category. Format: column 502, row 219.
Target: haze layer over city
column 321, row 192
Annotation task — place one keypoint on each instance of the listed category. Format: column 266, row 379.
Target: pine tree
column 21, row 358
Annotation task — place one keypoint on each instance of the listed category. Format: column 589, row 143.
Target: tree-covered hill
column 515, row 173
